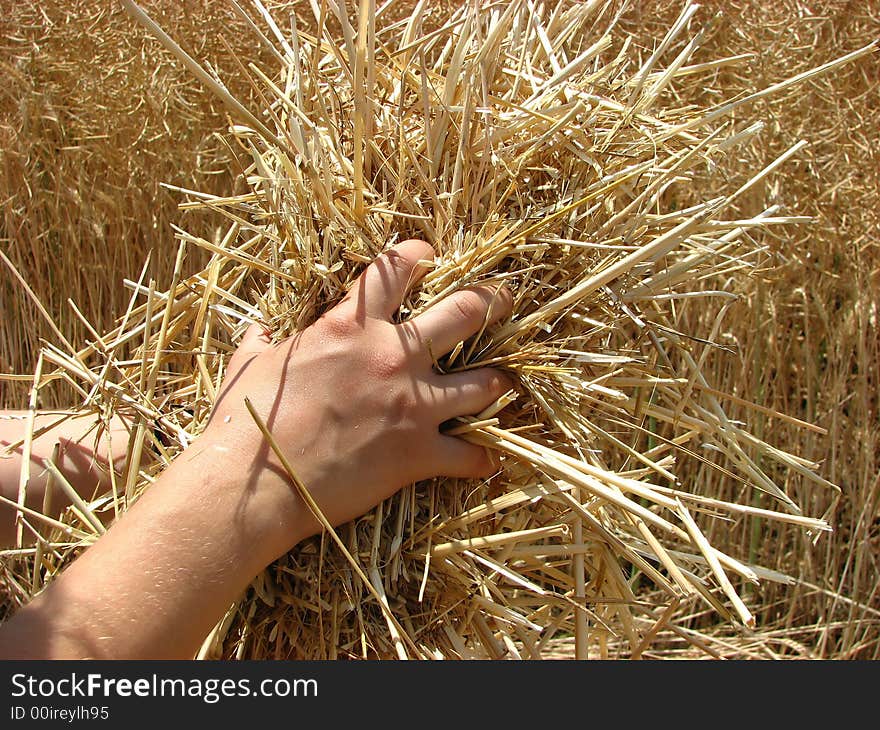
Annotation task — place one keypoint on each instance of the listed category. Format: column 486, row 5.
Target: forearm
column 161, row 577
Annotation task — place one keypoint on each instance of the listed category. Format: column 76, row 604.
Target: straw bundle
column 534, row 148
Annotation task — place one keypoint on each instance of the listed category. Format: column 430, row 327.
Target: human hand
column 356, row 407
column 354, row 402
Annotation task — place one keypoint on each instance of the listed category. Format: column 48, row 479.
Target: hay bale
column 533, row 148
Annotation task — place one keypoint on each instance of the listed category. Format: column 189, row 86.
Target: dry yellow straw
column 533, row 148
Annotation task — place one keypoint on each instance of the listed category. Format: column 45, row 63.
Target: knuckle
column 489, row 381
column 400, row 411
column 390, row 363
column 469, row 307
column 498, row 381
column 405, row 404
column 338, row 325
column 395, row 261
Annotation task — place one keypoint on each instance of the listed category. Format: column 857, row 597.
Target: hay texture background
column 803, row 348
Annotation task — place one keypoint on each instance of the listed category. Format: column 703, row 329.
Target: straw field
column 99, row 115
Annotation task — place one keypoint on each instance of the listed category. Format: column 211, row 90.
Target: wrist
column 246, row 494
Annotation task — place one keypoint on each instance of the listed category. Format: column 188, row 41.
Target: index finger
column 462, row 315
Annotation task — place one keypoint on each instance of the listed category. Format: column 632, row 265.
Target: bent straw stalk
column 530, row 147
